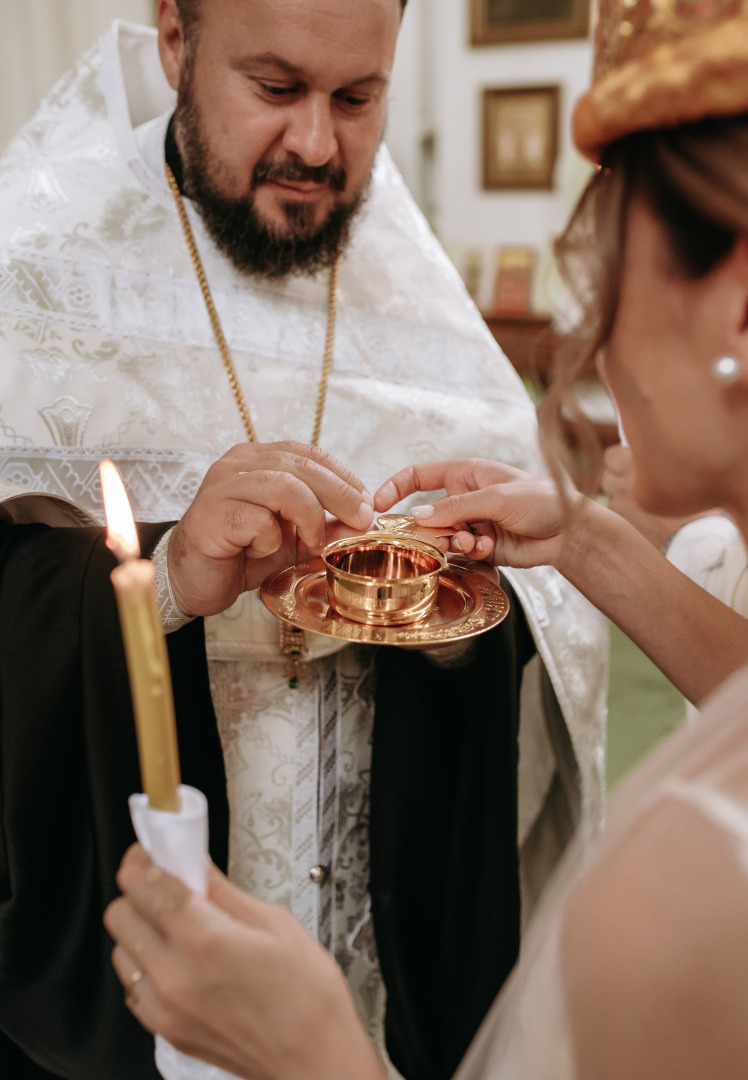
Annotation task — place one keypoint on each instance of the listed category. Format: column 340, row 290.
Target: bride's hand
column 233, row 980
column 514, row 518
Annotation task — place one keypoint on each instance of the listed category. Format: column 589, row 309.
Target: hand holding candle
column 178, row 839
column 145, row 649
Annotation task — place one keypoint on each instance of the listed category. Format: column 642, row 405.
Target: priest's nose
column 310, row 131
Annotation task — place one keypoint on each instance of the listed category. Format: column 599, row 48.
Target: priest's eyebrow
column 249, row 64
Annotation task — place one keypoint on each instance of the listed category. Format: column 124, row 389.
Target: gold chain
column 293, row 642
column 215, row 322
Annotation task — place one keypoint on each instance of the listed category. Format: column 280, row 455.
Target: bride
column 634, row 965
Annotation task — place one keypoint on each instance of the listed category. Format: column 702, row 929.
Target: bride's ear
column 735, row 267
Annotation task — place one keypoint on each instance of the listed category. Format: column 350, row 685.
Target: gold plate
column 467, row 603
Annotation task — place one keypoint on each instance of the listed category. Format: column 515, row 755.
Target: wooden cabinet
column 530, row 343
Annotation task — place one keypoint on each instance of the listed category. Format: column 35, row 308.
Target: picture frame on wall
column 501, row 22
column 520, row 137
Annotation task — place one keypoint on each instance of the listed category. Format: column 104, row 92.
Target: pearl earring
column 726, row 370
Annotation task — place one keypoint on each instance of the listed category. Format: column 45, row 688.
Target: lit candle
column 145, row 649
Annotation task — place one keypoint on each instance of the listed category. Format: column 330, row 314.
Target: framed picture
column 520, row 137
column 498, row 22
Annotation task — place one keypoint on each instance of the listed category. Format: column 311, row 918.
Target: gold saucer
column 467, row 603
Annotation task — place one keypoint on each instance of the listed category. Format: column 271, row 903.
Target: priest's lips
column 300, row 181
column 298, row 190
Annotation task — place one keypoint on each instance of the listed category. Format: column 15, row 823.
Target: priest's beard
column 252, row 245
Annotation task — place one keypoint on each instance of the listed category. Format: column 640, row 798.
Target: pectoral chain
column 293, row 640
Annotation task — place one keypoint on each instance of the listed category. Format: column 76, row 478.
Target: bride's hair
column 695, row 180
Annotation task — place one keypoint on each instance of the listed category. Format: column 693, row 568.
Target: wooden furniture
column 530, row 342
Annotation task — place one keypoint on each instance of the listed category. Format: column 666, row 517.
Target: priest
column 203, row 240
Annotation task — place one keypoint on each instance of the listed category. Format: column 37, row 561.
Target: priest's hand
column 233, row 980
column 505, row 516
column 261, row 507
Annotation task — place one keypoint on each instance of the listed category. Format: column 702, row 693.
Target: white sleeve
column 170, row 615
column 711, row 551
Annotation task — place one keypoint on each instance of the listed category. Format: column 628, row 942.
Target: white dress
column 527, row 1034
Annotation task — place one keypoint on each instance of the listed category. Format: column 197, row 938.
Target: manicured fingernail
column 481, row 546
column 368, row 497
column 388, row 493
column 425, row 511
column 365, row 513
column 456, row 544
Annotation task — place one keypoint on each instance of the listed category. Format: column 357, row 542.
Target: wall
column 41, row 39
column 436, row 91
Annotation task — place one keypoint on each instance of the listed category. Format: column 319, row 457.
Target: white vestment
column 106, row 348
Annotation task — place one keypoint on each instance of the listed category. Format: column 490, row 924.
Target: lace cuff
column 169, row 614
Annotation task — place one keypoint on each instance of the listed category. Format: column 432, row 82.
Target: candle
column 145, row 649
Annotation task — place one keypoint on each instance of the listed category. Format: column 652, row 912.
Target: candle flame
column 122, row 538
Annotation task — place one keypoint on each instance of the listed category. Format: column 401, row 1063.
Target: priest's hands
column 261, row 507
column 506, row 517
column 232, row 979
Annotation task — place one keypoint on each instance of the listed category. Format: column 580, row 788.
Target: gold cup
column 382, row 579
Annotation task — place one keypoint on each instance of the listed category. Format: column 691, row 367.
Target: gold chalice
column 382, row 579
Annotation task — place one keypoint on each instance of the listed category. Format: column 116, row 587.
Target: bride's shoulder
column 655, row 935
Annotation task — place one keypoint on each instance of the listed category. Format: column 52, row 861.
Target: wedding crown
column 660, row 63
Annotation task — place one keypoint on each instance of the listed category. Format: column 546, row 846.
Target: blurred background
column 479, row 123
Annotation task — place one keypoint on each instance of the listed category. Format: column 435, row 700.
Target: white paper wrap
column 178, row 843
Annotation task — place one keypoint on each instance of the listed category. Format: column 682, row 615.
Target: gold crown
column 660, row 63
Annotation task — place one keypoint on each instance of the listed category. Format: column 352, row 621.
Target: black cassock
column 68, row 762
column 444, row 863
column 444, row 857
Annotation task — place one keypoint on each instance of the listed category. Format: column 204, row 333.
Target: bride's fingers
column 427, row 477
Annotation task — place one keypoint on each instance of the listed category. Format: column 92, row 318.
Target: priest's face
column 281, row 109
